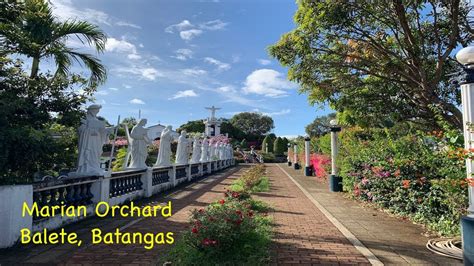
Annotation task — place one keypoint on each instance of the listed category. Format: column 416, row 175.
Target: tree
column 38, row 122
column 267, row 144
column 231, row 130
column 243, row 144
column 320, row 125
column 252, row 123
column 192, row 126
column 33, row 31
column 279, row 147
column 377, row 61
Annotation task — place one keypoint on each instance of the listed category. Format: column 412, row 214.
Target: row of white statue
column 93, row 134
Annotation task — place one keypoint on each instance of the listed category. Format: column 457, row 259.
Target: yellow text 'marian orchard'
column 102, row 209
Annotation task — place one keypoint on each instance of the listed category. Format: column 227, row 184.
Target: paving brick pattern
column 393, row 240
column 303, row 235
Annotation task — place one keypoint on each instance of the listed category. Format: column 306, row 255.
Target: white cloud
column 103, row 93
column 188, row 35
column 194, row 72
column 134, row 56
column 183, row 54
column 185, row 24
column 137, row 101
column 188, row 31
column 226, row 89
column 235, row 58
column 122, row 46
column 213, row 25
column 267, row 82
column 113, row 89
column 220, row 65
column 282, row 112
column 184, row 94
column 126, row 24
column 264, row 62
column 127, row 86
column 148, row 73
column 64, row 9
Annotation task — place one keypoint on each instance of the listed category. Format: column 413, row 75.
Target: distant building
column 154, row 132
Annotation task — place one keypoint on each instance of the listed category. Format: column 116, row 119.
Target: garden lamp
column 335, row 181
column 307, row 166
column 289, row 152
column 466, row 57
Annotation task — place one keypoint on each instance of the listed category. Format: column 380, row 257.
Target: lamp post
column 296, row 166
column 307, row 166
column 288, row 157
column 466, row 57
column 335, row 181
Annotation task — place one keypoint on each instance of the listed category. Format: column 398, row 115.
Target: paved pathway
column 183, row 201
column 391, row 239
column 303, row 235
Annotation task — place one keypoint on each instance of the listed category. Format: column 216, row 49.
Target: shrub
column 412, row 174
column 279, row 147
column 229, row 232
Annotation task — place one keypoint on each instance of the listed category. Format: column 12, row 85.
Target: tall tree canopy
column 320, row 125
column 30, row 28
column 252, row 123
column 378, row 60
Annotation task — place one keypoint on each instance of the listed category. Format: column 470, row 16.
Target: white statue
column 220, row 151
column 196, row 150
column 139, row 145
column 92, row 136
column 204, row 151
column 182, row 152
column 164, row 153
column 212, row 151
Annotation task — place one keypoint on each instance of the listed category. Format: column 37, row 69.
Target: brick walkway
column 303, row 235
column 183, row 201
column 392, row 240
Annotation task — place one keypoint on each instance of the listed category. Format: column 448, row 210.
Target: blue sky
column 170, row 59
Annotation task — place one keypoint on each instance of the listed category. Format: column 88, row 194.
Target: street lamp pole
column 289, row 152
column 335, row 181
column 466, row 57
column 307, row 168
column 295, row 157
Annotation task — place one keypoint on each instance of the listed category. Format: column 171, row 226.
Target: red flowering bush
column 228, row 231
column 320, row 164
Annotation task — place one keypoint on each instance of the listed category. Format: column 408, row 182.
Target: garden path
column 391, row 239
column 184, row 199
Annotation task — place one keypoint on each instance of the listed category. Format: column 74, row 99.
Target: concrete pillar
column 295, row 156
column 307, row 167
column 288, row 156
column 12, row 199
column 335, row 181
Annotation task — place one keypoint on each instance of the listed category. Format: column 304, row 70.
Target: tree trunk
column 34, row 67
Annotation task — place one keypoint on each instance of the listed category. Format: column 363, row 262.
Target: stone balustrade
column 115, row 189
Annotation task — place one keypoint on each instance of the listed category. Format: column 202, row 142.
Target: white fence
column 116, row 189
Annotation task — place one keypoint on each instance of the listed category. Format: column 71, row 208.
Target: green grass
column 262, row 186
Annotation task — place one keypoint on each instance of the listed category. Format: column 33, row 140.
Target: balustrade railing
column 194, row 169
column 67, row 192
column 124, row 183
column 180, row 172
column 160, row 176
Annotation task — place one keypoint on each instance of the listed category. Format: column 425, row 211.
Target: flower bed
column 420, row 176
column 232, row 231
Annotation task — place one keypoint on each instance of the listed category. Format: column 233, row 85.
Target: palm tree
column 40, row 35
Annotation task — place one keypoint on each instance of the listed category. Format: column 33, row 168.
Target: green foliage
column 407, row 172
column 375, row 62
column 192, row 126
column 117, row 165
column 32, row 30
column 267, row 144
column 252, row 123
column 243, row 144
column 32, row 112
column 279, row 147
column 233, row 231
column 320, row 126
